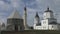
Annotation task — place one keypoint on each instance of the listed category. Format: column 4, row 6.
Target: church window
column 44, row 22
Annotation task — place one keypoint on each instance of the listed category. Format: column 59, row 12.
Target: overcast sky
column 33, row 6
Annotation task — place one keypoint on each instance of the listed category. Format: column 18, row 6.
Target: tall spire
column 25, row 18
column 25, row 8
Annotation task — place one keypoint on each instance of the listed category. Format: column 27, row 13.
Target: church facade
column 49, row 22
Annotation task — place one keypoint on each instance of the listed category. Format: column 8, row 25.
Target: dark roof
column 48, row 10
column 52, row 18
column 25, row 8
column 53, row 23
column 37, row 14
column 38, row 24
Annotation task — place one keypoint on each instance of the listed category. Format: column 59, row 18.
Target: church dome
column 37, row 15
column 15, row 14
column 48, row 10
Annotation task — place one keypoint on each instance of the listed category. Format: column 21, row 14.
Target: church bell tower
column 25, row 18
column 36, row 20
column 48, row 14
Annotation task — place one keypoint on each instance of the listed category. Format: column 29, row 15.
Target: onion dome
column 37, row 15
column 48, row 10
column 25, row 8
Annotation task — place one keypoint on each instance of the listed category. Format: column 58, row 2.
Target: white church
column 49, row 22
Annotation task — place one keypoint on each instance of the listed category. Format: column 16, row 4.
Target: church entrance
column 16, row 27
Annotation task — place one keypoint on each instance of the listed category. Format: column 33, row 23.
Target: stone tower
column 48, row 14
column 36, row 20
column 25, row 18
column 15, row 22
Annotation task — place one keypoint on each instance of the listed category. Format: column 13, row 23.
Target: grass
column 32, row 32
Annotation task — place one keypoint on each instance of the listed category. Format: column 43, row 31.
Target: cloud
column 6, row 8
column 30, row 16
column 3, row 8
column 17, row 3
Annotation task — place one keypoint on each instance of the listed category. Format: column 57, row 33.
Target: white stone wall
column 49, row 27
column 38, row 28
column 44, row 22
column 36, row 20
column 34, row 26
column 53, row 27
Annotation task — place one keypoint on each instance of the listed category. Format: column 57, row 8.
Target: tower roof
column 25, row 8
column 48, row 10
column 15, row 14
column 37, row 14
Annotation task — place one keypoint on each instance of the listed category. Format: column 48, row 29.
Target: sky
column 33, row 6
